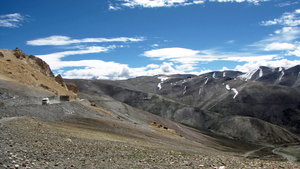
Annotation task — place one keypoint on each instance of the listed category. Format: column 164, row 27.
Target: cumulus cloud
column 65, row 40
column 12, row 20
column 169, row 3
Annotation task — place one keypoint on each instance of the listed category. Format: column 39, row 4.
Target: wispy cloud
column 169, row 3
column 288, row 3
column 282, row 39
column 230, row 41
column 54, row 61
column 192, row 57
column 92, row 68
column 12, row 20
column 65, row 40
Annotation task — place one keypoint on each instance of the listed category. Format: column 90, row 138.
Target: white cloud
column 286, row 35
column 168, row 53
column 154, row 45
column 277, row 63
column 288, row 3
column 11, row 20
column 224, row 69
column 250, row 58
column 280, row 46
column 185, row 67
column 152, row 66
column 100, row 69
column 116, row 71
column 115, row 8
column 170, row 3
column 296, row 52
column 54, row 61
column 287, row 19
column 189, row 56
column 65, row 40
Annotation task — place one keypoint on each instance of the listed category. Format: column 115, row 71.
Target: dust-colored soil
column 28, row 142
column 26, row 72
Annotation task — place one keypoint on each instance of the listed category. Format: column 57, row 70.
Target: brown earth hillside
column 30, row 71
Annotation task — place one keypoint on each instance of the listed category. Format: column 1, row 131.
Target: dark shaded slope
column 276, row 104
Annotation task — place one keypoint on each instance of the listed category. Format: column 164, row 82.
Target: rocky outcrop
column 19, row 54
column 42, row 66
column 36, row 62
column 72, row 87
column 60, row 81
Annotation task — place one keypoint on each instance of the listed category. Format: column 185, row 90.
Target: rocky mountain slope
column 32, row 72
column 230, row 103
column 112, row 127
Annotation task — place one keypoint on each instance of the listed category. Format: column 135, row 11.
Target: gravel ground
column 27, row 142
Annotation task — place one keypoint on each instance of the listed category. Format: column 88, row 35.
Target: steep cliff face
column 31, row 71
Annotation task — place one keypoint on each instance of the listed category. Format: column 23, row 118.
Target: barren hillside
column 30, row 71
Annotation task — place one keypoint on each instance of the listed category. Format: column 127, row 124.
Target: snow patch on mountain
column 247, row 76
column 206, row 80
column 227, row 87
column 235, row 91
column 163, row 78
column 159, row 86
column 184, row 90
column 281, row 75
column 260, row 72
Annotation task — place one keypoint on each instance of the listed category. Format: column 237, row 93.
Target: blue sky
column 120, row 39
